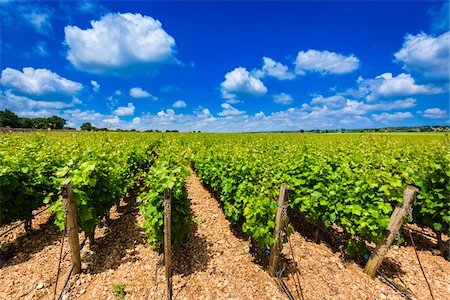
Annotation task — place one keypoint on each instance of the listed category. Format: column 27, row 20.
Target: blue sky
column 227, row 66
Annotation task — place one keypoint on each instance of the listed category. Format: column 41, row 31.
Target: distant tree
column 40, row 123
column 8, row 118
column 25, row 123
column 87, row 127
column 56, row 122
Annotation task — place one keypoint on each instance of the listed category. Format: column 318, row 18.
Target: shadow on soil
column 23, row 248
column 191, row 254
column 336, row 241
column 113, row 249
column 260, row 255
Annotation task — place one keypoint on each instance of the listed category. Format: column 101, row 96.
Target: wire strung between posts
column 23, row 222
column 285, row 287
column 420, row 264
column 67, row 281
column 393, row 286
column 59, row 264
column 71, row 270
column 299, row 287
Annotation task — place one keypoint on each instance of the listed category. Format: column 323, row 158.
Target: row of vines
column 350, row 181
column 102, row 168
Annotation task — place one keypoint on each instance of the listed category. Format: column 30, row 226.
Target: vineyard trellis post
column 280, row 224
column 71, row 224
column 168, row 241
column 397, row 218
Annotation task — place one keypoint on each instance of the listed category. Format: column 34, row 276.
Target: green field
column 350, row 180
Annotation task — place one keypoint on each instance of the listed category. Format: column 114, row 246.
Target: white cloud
column 239, row 81
column 325, row 62
column 387, row 85
column 38, row 16
column 435, row 113
column 387, row 117
column 340, row 104
column 273, row 69
column 138, row 92
column 136, row 121
column 260, row 115
column 333, row 101
column 233, row 120
column 125, row 110
column 229, row 110
column 117, row 93
column 283, row 98
column 25, row 106
column 179, row 104
column 119, row 42
column 95, row 85
column 38, row 82
column 167, row 115
column 112, row 121
column 426, row 54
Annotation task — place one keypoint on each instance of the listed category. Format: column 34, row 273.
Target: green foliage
column 8, row 118
column 351, row 181
column 345, row 180
column 119, row 290
column 168, row 172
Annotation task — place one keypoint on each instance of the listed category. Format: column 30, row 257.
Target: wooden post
column 397, row 218
column 71, row 225
column 168, row 241
column 280, row 223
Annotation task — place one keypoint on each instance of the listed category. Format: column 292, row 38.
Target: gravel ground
column 215, row 262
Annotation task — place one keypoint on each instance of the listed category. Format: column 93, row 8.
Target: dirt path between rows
column 215, row 263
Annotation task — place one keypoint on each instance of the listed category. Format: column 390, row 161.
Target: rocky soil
column 214, row 262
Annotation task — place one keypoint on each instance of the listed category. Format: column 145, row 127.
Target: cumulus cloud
column 332, row 101
column 112, row 120
column 426, row 54
column 118, row 43
column 179, row 104
column 241, row 82
column 137, row 92
column 95, row 85
column 360, row 108
column 229, row 110
column 136, row 121
column 38, row 82
column 167, row 115
column 435, row 113
column 275, row 69
column 386, row 85
column 28, row 107
column 387, row 117
column 125, row 110
column 325, row 62
column 283, row 98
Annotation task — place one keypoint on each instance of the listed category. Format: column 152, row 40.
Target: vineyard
column 345, row 185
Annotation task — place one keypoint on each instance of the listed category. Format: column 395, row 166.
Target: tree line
column 10, row 119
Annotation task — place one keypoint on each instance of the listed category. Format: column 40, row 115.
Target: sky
column 227, row 66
